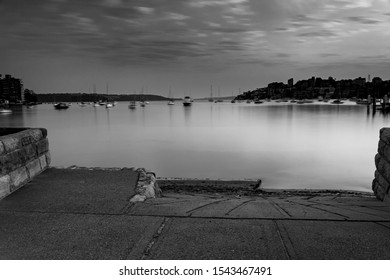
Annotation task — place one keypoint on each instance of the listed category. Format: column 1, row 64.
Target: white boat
column 142, row 104
column 96, row 104
column 187, row 101
column 5, row 111
column 170, row 102
column 132, row 105
column 109, row 105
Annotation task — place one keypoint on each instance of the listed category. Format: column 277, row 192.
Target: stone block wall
column 381, row 183
column 24, row 153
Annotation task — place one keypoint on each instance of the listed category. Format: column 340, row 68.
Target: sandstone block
column 5, row 186
column 383, row 168
column 384, row 150
column 9, row 162
column 33, row 168
column 48, row 158
column 382, row 181
column 42, row 146
column 2, row 149
column 381, row 147
column 31, row 135
column 44, row 132
column 18, row 178
column 42, row 161
column 379, row 191
column 384, row 135
column 28, row 152
column 11, row 143
column 377, row 159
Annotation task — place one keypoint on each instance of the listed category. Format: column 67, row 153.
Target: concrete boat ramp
column 87, row 214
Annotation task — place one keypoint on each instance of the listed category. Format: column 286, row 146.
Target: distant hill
column 92, row 97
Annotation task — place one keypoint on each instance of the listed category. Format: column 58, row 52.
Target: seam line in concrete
column 205, row 205
column 324, row 210
column 194, row 217
column 286, row 242
column 278, row 207
column 155, row 238
column 349, row 209
column 380, row 223
column 257, row 218
column 238, row 206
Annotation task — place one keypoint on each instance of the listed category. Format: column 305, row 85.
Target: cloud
column 112, row 3
column 363, row 20
column 176, row 16
column 207, row 3
column 319, row 34
column 82, row 24
column 145, row 10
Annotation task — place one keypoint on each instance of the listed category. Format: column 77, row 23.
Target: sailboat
column 187, row 101
column 170, row 102
column 211, row 94
column 338, row 101
column 132, row 104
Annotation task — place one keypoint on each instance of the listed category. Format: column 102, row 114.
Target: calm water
column 286, row 145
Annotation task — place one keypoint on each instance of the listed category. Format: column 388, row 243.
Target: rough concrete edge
column 146, row 187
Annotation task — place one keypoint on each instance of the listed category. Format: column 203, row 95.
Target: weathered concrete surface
column 31, row 235
column 87, row 214
column 75, row 191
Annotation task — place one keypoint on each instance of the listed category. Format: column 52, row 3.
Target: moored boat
column 187, row 101
column 61, row 105
column 337, row 102
column 132, row 105
column 5, row 111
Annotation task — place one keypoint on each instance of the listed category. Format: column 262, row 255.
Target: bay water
column 315, row 146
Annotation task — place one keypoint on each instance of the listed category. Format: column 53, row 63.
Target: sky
column 188, row 45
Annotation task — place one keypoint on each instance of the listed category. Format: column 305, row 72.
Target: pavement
column 86, row 214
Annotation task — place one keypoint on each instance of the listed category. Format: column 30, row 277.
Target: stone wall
column 24, row 153
column 381, row 183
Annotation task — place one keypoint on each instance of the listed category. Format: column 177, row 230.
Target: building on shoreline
column 10, row 89
column 315, row 87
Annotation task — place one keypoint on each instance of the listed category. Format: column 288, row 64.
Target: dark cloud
column 318, row 33
column 363, row 20
column 329, row 54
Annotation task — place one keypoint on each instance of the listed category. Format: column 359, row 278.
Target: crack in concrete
column 154, row 239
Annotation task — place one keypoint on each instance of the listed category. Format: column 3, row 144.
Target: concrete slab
column 208, row 239
column 296, row 210
column 259, row 208
column 75, row 190
column 182, row 207
column 336, row 240
column 72, row 236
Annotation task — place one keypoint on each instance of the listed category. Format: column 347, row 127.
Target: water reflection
column 187, row 115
